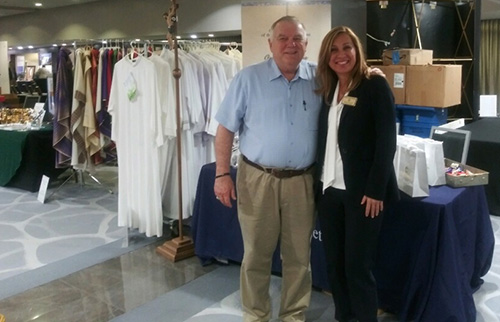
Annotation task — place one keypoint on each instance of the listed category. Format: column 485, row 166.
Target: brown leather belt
column 277, row 172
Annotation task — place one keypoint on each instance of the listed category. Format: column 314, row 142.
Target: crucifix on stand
column 180, row 247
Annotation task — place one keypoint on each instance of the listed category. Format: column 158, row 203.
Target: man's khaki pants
column 271, row 210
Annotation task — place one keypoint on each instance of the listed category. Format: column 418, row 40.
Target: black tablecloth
column 38, row 158
column 484, row 153
column 432, row 255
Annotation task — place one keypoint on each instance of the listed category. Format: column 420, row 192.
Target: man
column 273, row 106
column 42, row 73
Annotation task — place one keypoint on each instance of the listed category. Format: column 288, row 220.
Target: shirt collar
column 302, row 72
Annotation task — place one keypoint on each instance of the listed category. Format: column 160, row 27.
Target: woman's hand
column 373, row 206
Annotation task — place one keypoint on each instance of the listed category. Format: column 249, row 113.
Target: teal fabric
column 11, row 152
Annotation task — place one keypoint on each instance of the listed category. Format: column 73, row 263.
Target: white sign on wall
column 258, row 16
column 4, row 68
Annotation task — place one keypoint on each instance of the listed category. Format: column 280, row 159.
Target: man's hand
column 376, row 71
column 224, row 190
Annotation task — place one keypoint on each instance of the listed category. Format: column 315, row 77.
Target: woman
column 356, row 145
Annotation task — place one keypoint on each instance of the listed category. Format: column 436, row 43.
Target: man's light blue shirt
column 277, row 119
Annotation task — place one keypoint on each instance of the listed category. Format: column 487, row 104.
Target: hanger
column 148, row 50
column 134, row 54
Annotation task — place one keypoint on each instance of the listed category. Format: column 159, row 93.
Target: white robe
column 137, row 129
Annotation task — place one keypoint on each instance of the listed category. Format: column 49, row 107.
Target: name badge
column 349, row 100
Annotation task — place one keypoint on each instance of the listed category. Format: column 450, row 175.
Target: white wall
column 490, row 9
column 4, row 68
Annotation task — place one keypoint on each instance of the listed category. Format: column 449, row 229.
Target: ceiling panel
column 490, row 9
column 15, row 7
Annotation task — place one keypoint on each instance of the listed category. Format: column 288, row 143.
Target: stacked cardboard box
column 416, row 81
column 407, row 57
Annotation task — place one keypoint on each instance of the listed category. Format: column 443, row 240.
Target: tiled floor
column 103, row 291
column 122, row 283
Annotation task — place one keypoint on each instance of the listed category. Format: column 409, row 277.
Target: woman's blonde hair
column 326, row 77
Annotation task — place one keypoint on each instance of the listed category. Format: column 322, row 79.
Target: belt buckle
column 279, row 173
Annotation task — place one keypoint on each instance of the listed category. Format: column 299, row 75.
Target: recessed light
column 20, row 47
column 193, row 36
column 210, row 35
column 38, row 4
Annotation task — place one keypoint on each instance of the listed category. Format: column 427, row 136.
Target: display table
column 484, row 153
column 25, row 157
column 432, row 255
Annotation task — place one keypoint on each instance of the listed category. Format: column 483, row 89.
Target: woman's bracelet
column 222, row 175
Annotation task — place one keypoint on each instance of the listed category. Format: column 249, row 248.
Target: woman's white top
column 333, row 173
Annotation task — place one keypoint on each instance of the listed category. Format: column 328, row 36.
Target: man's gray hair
column 292, row 19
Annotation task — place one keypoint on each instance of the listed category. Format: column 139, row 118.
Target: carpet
column 74, row 229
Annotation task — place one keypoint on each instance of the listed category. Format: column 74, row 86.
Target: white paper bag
column 434, row 157
column 412, row 172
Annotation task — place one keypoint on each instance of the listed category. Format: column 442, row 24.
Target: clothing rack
column 78, row 172
column 128, row 43
column 78, row 175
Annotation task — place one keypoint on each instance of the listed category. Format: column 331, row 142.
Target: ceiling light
column 20, row 47
column 38, row 4
column 433, row 4
column 178, row 37
column 30, row 47
column 383, row 4
column 193, row 36
column 210, row 35
column 54, row 45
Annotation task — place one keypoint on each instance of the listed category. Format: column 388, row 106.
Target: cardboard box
column 479, row 177
column 407, row 57
column 396, row 77
column 433, row 85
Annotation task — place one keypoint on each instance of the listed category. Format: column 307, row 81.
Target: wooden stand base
column 177, row 249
